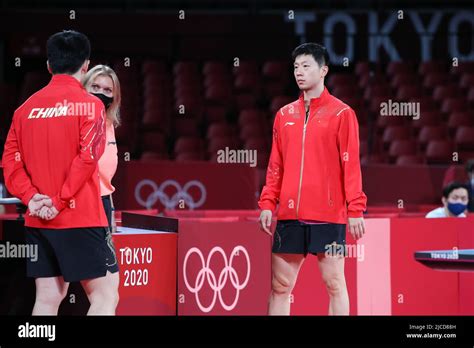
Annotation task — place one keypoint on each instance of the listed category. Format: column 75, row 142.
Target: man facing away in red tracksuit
column 314, row 175
column 50, row 162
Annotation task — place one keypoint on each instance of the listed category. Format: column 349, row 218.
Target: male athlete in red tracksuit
column 51, row 163
column 314, row 176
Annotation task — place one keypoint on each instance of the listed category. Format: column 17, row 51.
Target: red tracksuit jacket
column 53, row 146
column 314, row 169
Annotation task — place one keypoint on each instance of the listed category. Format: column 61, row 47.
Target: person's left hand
column 356, row 227
column 47, row 213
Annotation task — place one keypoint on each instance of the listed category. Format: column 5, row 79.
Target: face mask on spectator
column 456, row 208
column 106, row 100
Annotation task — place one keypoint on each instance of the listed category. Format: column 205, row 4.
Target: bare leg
column 332, row 272
column 49, row 294
column 285, row 268
column 102, row 294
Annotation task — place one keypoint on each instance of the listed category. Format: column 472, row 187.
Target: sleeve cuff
column 267, row 205
column 58, row 203
column 355, row 214
column 28, row 196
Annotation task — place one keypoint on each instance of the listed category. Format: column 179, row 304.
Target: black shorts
column 74, row 253
column 296, row 237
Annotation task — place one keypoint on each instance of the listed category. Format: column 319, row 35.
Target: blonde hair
column 113, row 112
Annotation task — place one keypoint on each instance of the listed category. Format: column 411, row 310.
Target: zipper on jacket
column 302, row 160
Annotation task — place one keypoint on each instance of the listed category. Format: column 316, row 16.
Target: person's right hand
column 265, row 221
column 37, row 202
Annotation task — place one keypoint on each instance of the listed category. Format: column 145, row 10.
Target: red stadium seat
column 215, row 67
column 406, row 160
column 190, row 156
column 274, row 89
column 257, row 144
column 216, row 113
column 246, row 67
column 470, row 96
column 247, row 83
column 450, row 105
column 220, row 143
column 363, row 132
column 458, row 119
column 154, row 141
column 373, row 159
column 429, row 133
column 439, row 152
column 276, row 70
column 246, row 100
column 395, row 68
column 435, row 79
column 262, row 159
column 372, row 79
column 383, row 122
column 427, row 103
column 345, row 91
column 251, row 131
column 375, row 103
column 152, row 156
column 406, row 92
column 251, row 116
column 431, row 67
column 340, row 79
column 462, row 68
column 218, row 130
column 186, row 68
column 150, row 67
column 188, row 144
column 362, row 68
column 404, row 79
column 363, row 148
column 278, row 102
column 377, row 91
column 186, row 78
column 467, row 80
column 443, row 92
column 218, row 95
column 427, row 118
column 464, row 138
column 186, row 127
column 219, row 81
column 402, row 148
column 392, row 133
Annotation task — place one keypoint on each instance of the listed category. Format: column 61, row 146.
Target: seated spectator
column 455, row 200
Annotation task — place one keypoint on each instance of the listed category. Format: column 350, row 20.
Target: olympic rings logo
column 170, row 202
column 217, row 284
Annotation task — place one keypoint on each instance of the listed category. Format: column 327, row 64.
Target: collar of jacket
column 315, row 102
column 64, row 79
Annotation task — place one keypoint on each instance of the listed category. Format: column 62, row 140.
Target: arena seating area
column 189, row 110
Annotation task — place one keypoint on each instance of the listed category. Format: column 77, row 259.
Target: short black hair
column 319, row 52
column 67, row 50
column 470, row 165
column 451, row 187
